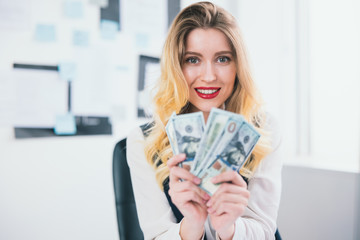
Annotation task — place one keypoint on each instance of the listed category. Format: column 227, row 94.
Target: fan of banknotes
column 223, row 144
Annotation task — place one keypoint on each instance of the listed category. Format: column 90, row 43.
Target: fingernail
column 208, row 204
column 197, row 180
column 206, row 196
column 213, row 180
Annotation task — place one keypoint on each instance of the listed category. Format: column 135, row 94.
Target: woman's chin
column 204, row 108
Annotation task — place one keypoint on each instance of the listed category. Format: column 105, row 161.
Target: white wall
column 58, row 188
column 269, row 31
column 335, row 74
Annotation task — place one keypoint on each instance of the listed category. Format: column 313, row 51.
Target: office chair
column 128, row 222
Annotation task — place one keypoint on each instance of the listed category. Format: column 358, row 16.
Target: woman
column 204, row 65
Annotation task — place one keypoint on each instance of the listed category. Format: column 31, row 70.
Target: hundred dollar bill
column 170, row 131
column 230, row 129
column 232, row 157
column 215, row 125
column 248, row 137
column 188, row 130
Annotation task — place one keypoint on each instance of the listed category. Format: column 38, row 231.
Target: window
column 306, row 60
column 332, row 59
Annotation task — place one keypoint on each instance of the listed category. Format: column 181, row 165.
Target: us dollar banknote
column 170, row 131
column 224, row 144
column 231, row 157
column 215, row 124
column 186, row 131
column 230, row 129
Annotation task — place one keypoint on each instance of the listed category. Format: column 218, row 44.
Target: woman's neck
column 206, row 115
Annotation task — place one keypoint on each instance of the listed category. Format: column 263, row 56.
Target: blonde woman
column 204, row 65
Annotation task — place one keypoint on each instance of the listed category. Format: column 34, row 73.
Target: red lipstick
column 207, row 92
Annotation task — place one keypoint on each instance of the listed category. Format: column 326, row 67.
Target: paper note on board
column 67, row 71
column 109, row 29
column 45, row 33
column 65, row 124
column 100, row 3
column 73, row 9
column 81, row 38
column 40, row 97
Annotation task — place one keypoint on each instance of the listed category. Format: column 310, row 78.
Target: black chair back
column 128, row 222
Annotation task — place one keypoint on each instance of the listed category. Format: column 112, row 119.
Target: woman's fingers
column 231, row 188
column 189, row 186
column 218, row 201
column 177, row 173
column 175, row 160
column 229, row 208
column 183, row 184
column 230, row 176
column 231, row 197
column 188, row 196
column 185, row 193
column 230, row 192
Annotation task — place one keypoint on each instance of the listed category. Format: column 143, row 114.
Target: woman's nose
column 208, row 72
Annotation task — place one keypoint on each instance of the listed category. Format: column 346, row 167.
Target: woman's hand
column 228, row 203
column 188, row 198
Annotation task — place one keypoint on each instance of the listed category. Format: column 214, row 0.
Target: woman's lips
column 207, row 92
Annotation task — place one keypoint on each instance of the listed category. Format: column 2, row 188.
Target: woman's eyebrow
column 224, row 52
column 193, row 53
column 217, row 53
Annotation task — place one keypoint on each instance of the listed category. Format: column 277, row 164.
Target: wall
column 268, row 29
column 56, row 188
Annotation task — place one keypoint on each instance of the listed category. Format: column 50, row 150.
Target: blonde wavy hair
column 172, row 92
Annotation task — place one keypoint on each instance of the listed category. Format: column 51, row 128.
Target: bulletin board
column 70, row 65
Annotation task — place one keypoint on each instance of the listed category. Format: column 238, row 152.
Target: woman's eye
column 192, row 60
column 223, row 59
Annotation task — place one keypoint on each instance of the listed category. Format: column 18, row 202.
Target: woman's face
column 209, row 69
